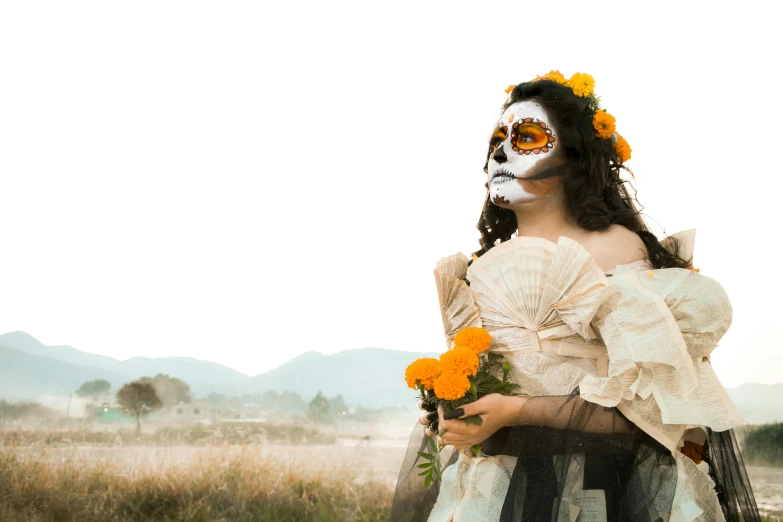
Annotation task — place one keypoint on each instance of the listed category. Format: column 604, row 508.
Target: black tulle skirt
column 590, row 462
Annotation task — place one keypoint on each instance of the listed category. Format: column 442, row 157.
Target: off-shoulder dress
column 626, row 419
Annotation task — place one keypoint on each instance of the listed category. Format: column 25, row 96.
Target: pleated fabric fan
column 534, row 284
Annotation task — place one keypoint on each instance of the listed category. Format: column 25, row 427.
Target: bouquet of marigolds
column 463, row 374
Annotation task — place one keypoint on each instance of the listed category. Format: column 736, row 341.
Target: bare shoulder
column 615, row 246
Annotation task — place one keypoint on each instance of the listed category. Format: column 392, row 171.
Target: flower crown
column 604, row 123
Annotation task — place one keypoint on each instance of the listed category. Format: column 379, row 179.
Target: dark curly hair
column 595, row 195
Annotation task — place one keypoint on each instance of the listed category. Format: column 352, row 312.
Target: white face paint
column 527, row 139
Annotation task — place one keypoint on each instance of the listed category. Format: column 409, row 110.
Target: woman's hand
column 430, row 419
column 495, row 410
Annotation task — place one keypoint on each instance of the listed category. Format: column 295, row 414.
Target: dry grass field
column 232, row 475
column 50, row 477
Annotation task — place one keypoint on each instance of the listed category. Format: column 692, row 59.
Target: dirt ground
column 768, row 489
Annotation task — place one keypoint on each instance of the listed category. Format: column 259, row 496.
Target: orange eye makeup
column 498, row 136
column 531, row 136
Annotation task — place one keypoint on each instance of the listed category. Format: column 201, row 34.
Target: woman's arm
column 571, row 412
column 497, row 411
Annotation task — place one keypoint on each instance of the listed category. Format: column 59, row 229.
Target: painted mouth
column 502, row 175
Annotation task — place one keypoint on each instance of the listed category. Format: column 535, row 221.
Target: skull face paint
column 520, row 147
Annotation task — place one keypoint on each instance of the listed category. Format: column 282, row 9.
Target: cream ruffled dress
column 635, row 339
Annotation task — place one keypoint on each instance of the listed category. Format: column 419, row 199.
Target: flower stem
column 476, row 449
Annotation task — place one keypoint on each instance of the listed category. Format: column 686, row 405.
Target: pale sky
column 242, row 182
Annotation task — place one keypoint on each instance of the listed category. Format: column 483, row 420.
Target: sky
column 242, row 182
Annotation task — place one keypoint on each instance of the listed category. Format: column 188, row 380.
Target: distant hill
column 202, row 376
column 758, row 403
column 24, row 342
column 372, row 377
column 27, row 377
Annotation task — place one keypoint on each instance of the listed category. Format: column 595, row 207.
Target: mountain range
column 369, row 377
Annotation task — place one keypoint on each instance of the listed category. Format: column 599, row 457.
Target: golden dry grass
column 44, row 481
column 227, row 475
column 169, row 434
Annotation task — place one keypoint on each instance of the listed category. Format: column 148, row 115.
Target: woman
column 619, row 415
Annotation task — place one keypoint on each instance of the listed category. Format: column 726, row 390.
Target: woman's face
column 524, row 156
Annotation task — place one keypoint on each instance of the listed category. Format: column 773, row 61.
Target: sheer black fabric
column 727, row 469
column 412, row 501
column 636, row 475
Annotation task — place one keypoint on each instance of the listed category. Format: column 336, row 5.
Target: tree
column 217, row 400
column 138, row 398
column 24, row 410
column 286, row 402
column 763, row 445
column 292, row 402
column 94, row 389
column 318, row 409
column 337, row 405
column 170, row 390
column 6, row 410
column 270, row 401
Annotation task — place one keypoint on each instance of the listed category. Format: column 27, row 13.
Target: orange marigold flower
column 555, row 76
column 604, row 124
column 474, row 338
column 622, row 149
column 451, row 386
column 582, row 84
column 423, row 370
column 459, row 360
column 510, row 88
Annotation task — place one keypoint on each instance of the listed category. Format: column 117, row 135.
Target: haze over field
column 244, row 202
column 369, row 377
column 247, row 182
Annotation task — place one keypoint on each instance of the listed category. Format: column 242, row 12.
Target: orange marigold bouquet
column 463, row 374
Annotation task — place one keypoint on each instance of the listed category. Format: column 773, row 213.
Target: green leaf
column 433, row 446
column 426, row 456
column 425, row 465
column 424, row 473
column 474, row 419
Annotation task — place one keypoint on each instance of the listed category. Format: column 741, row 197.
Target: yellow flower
column 510, row 88
column 423, row 370
column 622, row 149
column 451, row 386
column 582, row 84
column 459, row 360
column 555, row 76
column 474, row 338
column 604, row 124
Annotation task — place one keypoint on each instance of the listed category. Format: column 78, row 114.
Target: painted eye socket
column 499, row 136
column 531, row 136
